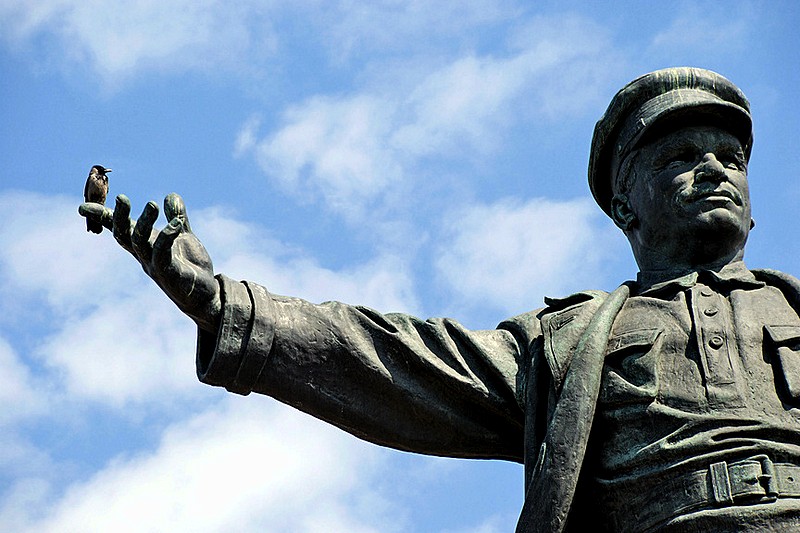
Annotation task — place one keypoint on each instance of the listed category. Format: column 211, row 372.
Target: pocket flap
column 787, row 341
column 632, row 339
column 783, row 335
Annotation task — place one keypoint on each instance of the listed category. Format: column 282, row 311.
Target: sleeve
column 427, row 386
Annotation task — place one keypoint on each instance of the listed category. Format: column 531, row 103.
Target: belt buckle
column 750, row 481
column 754, row 480
column 768, row 478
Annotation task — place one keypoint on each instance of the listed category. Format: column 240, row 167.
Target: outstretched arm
column 425, row 386
column 173, row 257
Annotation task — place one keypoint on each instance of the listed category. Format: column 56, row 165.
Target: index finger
column 98, row 213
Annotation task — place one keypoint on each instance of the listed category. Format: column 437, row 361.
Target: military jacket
column 524, row 392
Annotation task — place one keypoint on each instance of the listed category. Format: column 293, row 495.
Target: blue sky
column 426, row 157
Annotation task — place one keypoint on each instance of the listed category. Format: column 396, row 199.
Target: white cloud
column 706, row 30
column 355, row 28
column 45, row 249
column 19, row 390
column 245, row 465
column 111, row 336
column 361, row 153
column 132, row 348
column 247, row 252
column 510, row 254
column 493, row 524
column 119, row 39
column 333, row 149
column 246, row 140
column 459, row 105
column 25, row 399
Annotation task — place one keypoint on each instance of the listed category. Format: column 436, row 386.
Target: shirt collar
column 731, row 276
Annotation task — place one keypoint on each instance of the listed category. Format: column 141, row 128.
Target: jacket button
column 716, row 341
column 711, row 311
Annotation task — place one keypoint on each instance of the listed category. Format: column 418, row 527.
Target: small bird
column 95, row 191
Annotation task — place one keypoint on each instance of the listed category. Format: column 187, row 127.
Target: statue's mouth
column 720, row 193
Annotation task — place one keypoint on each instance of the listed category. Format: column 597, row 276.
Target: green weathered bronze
column 671, row 404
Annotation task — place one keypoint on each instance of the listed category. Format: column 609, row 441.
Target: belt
column 752, row 481
column 755, row 480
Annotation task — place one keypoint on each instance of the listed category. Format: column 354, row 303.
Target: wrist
column 208, row 318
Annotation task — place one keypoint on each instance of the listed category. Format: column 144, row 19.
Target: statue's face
column 691, row 193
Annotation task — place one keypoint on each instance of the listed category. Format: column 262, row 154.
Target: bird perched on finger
column 95, row 191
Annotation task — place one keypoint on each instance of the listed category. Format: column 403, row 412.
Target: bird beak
column 108, row 170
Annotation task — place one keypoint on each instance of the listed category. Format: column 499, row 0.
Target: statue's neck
column 683, row 264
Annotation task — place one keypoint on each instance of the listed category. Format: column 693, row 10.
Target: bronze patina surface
column 670, row 404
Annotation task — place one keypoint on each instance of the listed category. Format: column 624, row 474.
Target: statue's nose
column 710, row 169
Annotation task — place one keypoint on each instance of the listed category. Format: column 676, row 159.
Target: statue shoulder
column 776, row 277
column 788, row 284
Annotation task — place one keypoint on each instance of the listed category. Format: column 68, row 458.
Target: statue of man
column 670, row 404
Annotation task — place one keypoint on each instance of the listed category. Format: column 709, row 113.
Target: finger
column 174, row 207
column 98, row 213
column 142, row 231
column 122, row 222
column 162, row 248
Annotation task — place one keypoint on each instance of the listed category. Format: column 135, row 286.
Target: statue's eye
column 679, row 159
column 734, row 162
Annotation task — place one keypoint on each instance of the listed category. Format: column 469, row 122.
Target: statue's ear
column 621, row 212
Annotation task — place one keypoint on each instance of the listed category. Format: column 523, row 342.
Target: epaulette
column 557, row 304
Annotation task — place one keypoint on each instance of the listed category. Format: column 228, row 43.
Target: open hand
column 173, row 257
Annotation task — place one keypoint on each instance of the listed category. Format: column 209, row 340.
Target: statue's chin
column 707, row 239
column 719, row 239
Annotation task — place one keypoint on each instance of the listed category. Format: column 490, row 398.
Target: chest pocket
column 784, row 346
column 629, row 375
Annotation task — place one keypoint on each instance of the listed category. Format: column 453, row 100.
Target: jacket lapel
column 552, row 486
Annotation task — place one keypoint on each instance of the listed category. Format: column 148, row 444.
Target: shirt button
column 711, row 311
column 716, row 341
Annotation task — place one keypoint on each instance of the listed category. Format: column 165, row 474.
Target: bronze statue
column 670, row 404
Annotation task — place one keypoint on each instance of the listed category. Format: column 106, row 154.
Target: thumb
column 162, row 253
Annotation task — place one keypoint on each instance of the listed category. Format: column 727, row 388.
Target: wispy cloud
column 510, row 254
column 334, row 149
column 357, row 28
column 112, row 340
column 706, row 30
column 111, row 336
column 247, row 251
column 18, row 390
column 109, row 333
column 244, row 465
column 362, row 153
column 120, row 39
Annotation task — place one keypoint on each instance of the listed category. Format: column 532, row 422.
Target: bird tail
column 94, row 226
